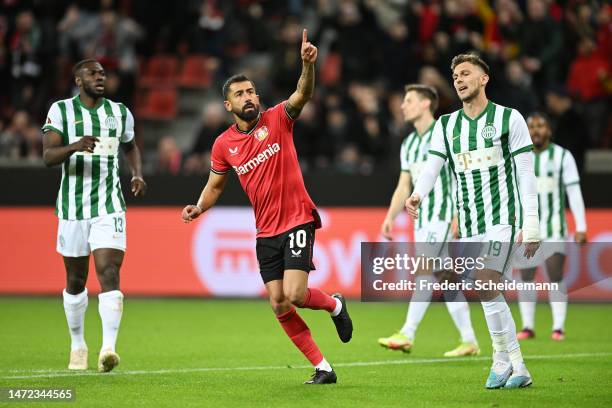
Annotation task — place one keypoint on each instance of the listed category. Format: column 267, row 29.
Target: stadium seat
column 195, row 73
column 160, row 71
column 158, row 104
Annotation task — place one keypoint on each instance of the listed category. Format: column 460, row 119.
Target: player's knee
column 527, row 275
column 279, row 306
column 296, row 297
column 75, row 284
column 487, row 295
column 109, row 277
column 445, row 276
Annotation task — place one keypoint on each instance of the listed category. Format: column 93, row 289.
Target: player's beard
column 92, row 92
column 471, row 96
column 540, row 142
column 248, row 116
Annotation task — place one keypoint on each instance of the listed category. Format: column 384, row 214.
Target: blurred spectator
column 398, row 50
column 505, row 29
column 13, row 139
column 604, row 31
column 515, row 89
column 32, row 140
column 432, row 77
column 337, row 126
column 568, row 125
column 541, row 42
column 314, row 146
column 287, row 60
column 461, row 21
column 114, row 45
column 214, row 122
column 25, row 47
column 168, row 156
column 210, row 29
column 348, row 160
column 358, row 41
column 77, row 30
column 587, row 79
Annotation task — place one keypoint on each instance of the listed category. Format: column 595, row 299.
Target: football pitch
column 189, row 352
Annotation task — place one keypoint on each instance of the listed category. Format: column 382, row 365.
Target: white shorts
column 432, row 239
column 498, row 245
column 547, row 249
column 80, row 237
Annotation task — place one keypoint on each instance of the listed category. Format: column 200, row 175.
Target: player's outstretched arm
column 54, row 153
column 528, row 191
column 211, row 193
column 132, row 154
column 576, row 203
column 425, row 183
column 305, row 86
column 571, row 179
column 401, row 193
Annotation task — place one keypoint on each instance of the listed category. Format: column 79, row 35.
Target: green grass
column 174, row 335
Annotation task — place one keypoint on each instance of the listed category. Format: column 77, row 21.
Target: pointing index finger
column 304, row 36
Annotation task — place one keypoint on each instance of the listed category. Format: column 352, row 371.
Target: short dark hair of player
column 232, row 80
column 77, row 67
column 472, row 59
column 541, row 115
column 425, row 91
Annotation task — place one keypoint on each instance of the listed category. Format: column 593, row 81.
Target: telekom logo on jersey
column 270, row 151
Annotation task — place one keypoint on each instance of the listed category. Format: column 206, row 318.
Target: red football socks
column 299, row 333
column 317, row 299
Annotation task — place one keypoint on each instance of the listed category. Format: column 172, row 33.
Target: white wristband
column 531, row 229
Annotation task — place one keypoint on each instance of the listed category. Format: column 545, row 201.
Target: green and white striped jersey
column 438, row 204
column 555, row 169
column 90, row 181
column 480, row 153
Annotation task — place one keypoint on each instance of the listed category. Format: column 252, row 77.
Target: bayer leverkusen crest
column 261, row 133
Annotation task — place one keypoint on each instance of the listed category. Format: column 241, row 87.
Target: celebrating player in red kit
column 259, row 147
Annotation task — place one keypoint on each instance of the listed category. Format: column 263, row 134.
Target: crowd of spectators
column 550, row 55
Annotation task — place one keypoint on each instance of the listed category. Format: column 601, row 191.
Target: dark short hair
column 425, row 91
column 473, row 59
column 539, row 114
column 232, row 80
column 77, row 67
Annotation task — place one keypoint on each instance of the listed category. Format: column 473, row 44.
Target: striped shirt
column 438, row 204
column 480, row 153
column 90, row 181
column 555, row 169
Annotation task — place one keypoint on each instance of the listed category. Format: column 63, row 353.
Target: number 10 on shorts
column 299, row 238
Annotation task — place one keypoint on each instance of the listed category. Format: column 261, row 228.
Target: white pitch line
column 66, row 373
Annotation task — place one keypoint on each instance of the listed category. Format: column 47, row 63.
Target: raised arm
column 305, row 86
column 211, row 193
